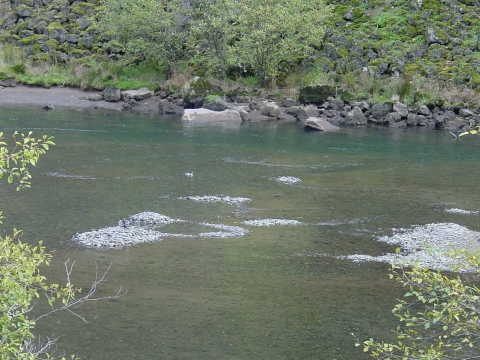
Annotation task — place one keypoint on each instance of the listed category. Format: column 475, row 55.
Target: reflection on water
column 239, row 298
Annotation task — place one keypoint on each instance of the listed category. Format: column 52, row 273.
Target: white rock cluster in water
column 151, row 218
column 289, row 180
column 461, row 211
column 427, row 244
column 272, row 222
column 142, row 231
column 116, row 237
column 228, row 231
column 217, row 198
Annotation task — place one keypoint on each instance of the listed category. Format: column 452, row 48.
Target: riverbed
column 265, row 294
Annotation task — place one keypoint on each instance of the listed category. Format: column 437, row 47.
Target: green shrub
column 211, row 98
column 19, row 68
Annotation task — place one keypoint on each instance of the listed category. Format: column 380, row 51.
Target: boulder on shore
column 138, row 95
column 210, row 117
column 313, row 123
column 111, row 93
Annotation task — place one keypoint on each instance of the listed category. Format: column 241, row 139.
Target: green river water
column 261, row 296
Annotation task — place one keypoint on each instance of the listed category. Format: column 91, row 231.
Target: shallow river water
column 279, row 292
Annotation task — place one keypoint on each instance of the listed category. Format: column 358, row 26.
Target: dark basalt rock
column 315, row 94
column 112, row 94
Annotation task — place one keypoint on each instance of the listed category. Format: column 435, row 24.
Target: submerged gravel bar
column 143, row 229
column 427, row 244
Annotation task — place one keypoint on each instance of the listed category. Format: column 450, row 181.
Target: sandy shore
column 68, row 97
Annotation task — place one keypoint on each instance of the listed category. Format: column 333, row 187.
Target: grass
column 98, row 72
column 88, row 73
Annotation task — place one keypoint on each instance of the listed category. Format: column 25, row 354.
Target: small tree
column 259, row 34
column 440, row 318
column 21, row 284
column 147, row 28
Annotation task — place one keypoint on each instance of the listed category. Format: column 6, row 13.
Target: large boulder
column 288, row 101
column 464, row 113
column 357, row 117
column 111, row 93
column 423, row 110
column 315, row 123
column 208, row 117
column 138, row 95
column 401, row 109
column 216, row 105
column 308, row 112
column 8, row 82
column 201, row 87
column 337, row 104
column 271, row 110
column 222, row 105
column 166, row 107
column 379, row 111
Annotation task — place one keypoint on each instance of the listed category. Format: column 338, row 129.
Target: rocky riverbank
column 316, row 107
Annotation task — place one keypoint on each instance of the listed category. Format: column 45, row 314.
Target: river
column 279, row 292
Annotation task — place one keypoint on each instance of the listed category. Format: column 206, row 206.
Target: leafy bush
column 19, row 68
column 447, row 322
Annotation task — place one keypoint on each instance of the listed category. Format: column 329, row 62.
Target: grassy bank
column 98, row 72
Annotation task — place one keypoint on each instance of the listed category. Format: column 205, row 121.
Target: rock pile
column 460, row 211
column 116, row 237
column 217, row 198
column 427, row 244
column 143, row 230
column 318, row 104
column 151, row 218
column 227, row 231
column 272, row 222
column 55, row 30
column 289, row 180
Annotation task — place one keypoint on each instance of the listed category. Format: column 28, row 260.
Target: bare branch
column 73, row 303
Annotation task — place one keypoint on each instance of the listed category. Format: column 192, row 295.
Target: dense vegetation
column 420, row 50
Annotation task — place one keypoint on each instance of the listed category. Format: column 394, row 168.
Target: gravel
column 116, row 237
column 140, row 231
column 217, row 198
column 427, row 244
column 228, row 231
column 272, row 222
column 289, row 180
column 460, row 211
column 151, row 218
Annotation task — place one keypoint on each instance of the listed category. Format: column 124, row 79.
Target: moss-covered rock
column 29, row 3
column 77, row 53
column 113, row 47
column 24, row 11
column 80, row 8
column 52, row 43
column 315, row 94
column 30, row 40
column 202, row 87
column 54, row 25
column 42, row 57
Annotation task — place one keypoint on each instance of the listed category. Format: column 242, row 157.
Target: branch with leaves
column 25, row 152
column 440, row 317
